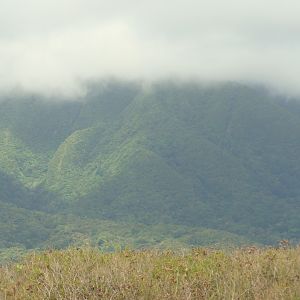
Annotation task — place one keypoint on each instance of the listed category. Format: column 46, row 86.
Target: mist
column 56, row 46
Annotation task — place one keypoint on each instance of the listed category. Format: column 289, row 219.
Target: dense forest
column 165, row 164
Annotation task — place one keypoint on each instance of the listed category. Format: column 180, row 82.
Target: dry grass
column 200, row 274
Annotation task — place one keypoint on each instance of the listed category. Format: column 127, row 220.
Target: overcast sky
column 52, row 45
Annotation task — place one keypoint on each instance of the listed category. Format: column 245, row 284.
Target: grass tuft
column 250, row 273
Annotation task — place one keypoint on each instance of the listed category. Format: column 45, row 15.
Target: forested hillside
column 130, row 163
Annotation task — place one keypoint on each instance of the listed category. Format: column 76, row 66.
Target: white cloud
column 50, row 46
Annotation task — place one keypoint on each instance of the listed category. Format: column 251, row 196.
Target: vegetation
column 200, row 273
column 23, row 230
column 174, row 163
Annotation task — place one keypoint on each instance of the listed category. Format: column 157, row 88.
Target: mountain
column 185, row 162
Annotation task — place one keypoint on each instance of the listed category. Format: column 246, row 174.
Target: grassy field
column 88, row 273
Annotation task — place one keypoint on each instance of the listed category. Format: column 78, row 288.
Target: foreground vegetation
column 88, row 273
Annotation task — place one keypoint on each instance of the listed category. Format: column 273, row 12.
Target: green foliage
column 206, row 163
column 23, row 229
column 19, row 161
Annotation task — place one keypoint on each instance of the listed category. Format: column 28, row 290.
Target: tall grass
column 198, row 274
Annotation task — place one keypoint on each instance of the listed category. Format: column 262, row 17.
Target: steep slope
column 19, row 161
column 224, row 157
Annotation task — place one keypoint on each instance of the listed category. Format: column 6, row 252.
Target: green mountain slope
column 224, row 157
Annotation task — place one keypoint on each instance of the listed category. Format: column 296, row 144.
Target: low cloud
column 53, row 46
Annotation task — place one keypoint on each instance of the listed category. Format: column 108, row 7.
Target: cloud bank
column 48, row 46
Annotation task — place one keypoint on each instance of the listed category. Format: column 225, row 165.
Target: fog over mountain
column 182, row 135
column 53, row 46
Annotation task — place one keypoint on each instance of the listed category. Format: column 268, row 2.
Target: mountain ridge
column 222, row 157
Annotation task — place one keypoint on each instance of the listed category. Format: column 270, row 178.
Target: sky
column 56, row 45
